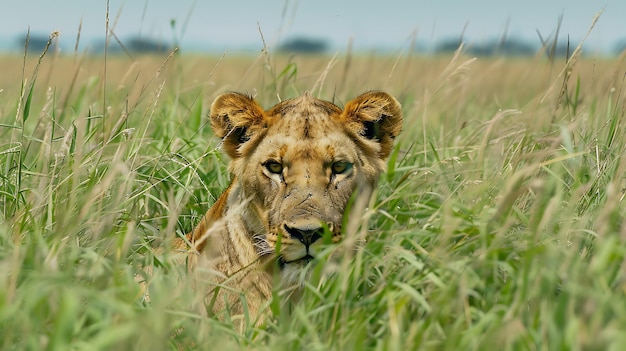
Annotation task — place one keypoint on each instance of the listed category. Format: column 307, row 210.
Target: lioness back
column 294, row 168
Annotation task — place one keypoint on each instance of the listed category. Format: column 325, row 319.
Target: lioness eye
column 273, row 167
column 341, row 167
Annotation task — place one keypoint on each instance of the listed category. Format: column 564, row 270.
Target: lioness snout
column 306, row 236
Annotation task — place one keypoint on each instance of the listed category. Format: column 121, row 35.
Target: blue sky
column 228, row 24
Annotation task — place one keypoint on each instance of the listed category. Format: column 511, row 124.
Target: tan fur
column 294, row 168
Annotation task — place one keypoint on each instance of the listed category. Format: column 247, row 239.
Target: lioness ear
column 234, row 118
column 375, row 116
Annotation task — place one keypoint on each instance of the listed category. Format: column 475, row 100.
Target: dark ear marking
column 240, row 135
column 236, row 118
column 371, row 130
column 375, row 116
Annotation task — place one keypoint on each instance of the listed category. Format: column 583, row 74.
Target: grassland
column 500, row 224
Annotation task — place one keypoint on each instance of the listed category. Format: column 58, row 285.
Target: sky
column 231, row 24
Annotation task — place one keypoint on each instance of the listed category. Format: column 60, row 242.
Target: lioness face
column 299, row 162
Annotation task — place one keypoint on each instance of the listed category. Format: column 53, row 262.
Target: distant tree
column 147, row 46
column 447, row 46
column 36, row 43
column 517, row 47
column 509, row 47
column 304, row 45
column 135, row 45
column 560, row 49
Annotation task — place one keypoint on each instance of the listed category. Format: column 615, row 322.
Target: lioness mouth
column 305, row 259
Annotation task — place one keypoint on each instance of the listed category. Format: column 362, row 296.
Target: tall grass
column 498, row 225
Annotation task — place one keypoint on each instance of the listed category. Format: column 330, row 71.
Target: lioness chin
column 294, row 168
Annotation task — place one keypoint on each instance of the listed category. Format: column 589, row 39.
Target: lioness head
column 298, row 163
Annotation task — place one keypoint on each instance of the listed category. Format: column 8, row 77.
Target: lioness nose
column 306, row 236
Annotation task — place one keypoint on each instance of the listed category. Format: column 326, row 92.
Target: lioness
column 294, row 168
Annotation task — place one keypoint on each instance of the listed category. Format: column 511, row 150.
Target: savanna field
column 498, row 226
